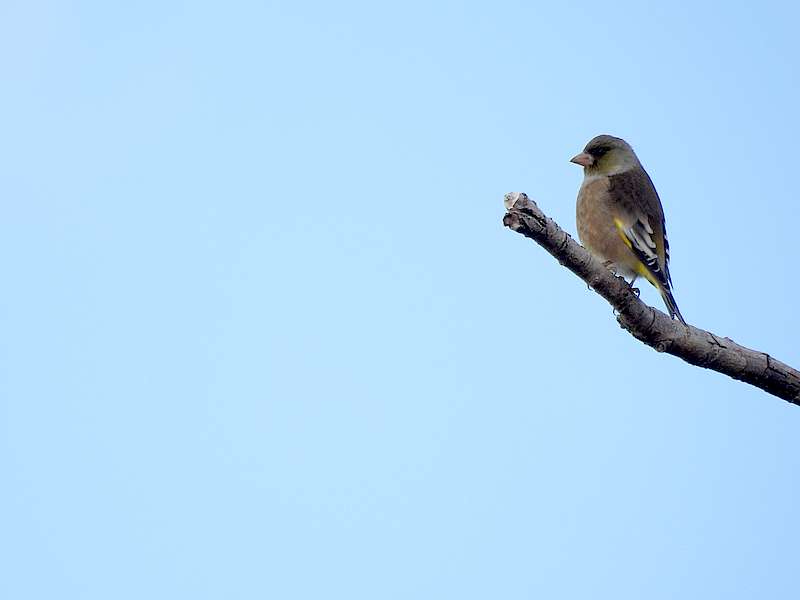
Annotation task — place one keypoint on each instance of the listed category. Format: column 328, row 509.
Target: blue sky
column 264, row 335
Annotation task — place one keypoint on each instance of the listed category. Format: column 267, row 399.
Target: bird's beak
column 583, row 159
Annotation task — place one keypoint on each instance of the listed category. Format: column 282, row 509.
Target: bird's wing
column 638, row 236
column 641, row 222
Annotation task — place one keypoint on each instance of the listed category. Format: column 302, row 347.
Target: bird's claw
column 609, row 264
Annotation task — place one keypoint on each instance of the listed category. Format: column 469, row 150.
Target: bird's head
column 606, row 155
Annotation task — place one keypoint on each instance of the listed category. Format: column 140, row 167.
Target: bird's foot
column 630, row 285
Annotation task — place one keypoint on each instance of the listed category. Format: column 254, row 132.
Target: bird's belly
column 598, row 231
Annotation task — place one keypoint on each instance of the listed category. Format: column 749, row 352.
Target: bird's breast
column 597, row 230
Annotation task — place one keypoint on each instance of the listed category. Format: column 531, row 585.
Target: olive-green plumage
column 619, row 215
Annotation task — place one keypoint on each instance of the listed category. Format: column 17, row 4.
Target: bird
column 620, row 218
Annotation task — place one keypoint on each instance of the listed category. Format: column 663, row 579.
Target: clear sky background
column 264, row 335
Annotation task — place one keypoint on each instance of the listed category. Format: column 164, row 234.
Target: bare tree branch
column 651, row 326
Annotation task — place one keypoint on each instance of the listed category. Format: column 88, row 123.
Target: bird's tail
column 669, row 300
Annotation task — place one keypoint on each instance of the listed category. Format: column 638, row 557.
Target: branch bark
column 653, row 327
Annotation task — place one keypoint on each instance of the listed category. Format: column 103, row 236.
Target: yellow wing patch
column 621, row 232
